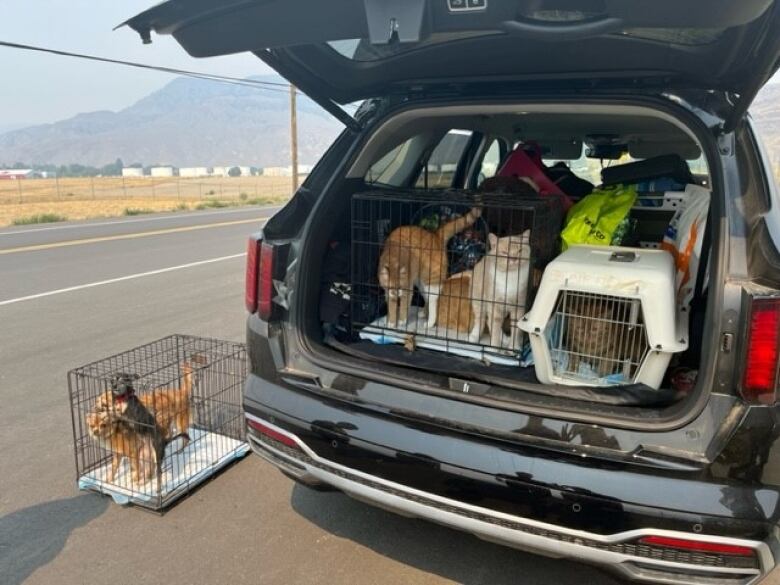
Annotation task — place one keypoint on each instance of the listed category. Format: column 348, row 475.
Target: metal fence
column 149, row 188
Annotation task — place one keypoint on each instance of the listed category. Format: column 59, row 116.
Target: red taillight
column 259, row 278
column 265, row 282
column 269, row 432
column 698, row 546
column 759, row 382
column 250, row 296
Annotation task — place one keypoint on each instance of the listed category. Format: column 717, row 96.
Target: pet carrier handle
column 622, row 257
column 559, row 31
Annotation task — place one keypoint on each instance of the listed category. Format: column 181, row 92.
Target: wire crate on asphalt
column 179, row 396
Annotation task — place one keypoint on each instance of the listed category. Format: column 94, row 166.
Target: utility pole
column 294, row 137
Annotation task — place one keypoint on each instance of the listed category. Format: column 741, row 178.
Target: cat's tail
column 459, row 224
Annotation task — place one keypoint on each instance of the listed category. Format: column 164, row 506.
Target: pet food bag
column 683, row 240
column 596, row 218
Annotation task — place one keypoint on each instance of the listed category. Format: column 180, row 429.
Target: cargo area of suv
column 423, row 159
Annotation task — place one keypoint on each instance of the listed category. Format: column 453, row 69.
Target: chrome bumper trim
column 530, row 535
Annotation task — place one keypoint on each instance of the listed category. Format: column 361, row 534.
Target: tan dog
column 105, row 426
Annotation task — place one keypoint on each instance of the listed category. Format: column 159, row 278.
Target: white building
column 194, row 172
column 132, row 172
column 245, row 171
column 220, row 171
column 277, row 172
column 162, row 171
column 286, row 171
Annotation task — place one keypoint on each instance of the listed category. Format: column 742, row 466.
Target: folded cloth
column 203, row 456
column 444, row 340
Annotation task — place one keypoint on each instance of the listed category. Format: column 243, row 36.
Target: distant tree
column 112, row 169
column 136, row 165
column 234, row 172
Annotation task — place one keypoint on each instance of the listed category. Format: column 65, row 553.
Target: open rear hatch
column 339, row 52
column 349, row 50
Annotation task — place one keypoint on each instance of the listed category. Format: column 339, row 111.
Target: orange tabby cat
column 415, row 257
column 454, row 308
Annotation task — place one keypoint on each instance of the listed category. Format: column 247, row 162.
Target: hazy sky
column 43, row 88
column 40, row 88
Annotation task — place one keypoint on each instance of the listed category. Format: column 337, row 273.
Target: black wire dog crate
column 449, row 270
column 179, row 396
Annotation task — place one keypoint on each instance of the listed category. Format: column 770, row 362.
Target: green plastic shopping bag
column 596, row 218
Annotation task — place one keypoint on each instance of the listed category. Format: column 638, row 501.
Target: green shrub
column 39, row 218
column 214, row 203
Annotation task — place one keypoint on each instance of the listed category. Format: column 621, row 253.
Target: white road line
column 136, row 220
column 120, row 279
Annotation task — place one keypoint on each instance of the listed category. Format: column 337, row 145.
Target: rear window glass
column 439, row 171
column 590, row 168
column 386, row 170
column 406, row 162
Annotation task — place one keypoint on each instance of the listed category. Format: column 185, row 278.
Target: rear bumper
column 302, row 457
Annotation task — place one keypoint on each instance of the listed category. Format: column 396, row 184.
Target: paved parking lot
column 147, row 279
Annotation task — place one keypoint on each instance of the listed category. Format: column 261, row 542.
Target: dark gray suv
column 683, row 487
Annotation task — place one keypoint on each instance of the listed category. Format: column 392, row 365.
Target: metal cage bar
column 478, row 285
column 181, row 381
column 596, row 336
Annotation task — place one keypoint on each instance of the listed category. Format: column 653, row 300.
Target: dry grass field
column 86, row 198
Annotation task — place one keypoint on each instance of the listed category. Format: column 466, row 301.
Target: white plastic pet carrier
column 605, row 315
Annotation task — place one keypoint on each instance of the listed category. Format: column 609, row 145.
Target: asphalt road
column 73, row 293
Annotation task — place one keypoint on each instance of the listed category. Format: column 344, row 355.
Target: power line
column 253, row 83
column 256, row 84
column 242, row 82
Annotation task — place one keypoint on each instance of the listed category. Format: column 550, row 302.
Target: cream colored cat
column 499, row 286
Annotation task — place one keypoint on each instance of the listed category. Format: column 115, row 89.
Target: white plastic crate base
column 205, row 455
column 620, row 273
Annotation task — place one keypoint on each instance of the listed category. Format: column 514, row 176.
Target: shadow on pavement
column 33, row 536
column 451, row 554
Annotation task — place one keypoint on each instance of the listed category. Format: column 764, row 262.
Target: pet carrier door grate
column 179, row 396
column 597, row 336
column 449, row 271
column 606, row 316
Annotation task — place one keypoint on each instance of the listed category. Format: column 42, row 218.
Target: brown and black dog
column 117, row 422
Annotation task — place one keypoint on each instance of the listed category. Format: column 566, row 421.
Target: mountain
column 15, row 126
column 193, row 122
column 189, row 122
